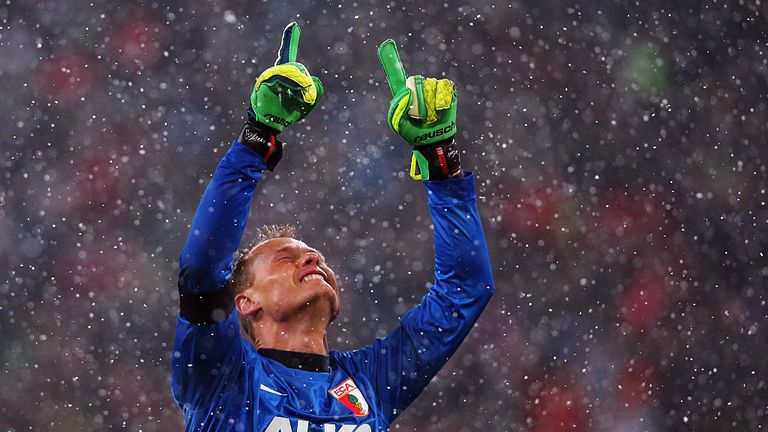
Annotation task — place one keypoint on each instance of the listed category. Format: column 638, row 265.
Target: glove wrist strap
column 262, row 139
column 436, row 161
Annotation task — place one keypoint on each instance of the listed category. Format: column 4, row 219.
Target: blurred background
column 620, row 151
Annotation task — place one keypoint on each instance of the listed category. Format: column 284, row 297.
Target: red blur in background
column 643, row 301
column 554, row 407
column 137, row 40
column 637, row 383
column 531, row 211
column 67, row 76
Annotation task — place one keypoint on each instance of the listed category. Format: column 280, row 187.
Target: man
column 277, row 374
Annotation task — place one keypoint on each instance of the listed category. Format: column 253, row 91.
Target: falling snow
column 620, row 151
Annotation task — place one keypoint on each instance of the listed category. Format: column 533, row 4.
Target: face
column 292, row 278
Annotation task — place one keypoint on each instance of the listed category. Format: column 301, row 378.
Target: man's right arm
column 217, row 229
column 208, row 346
column 208, row 349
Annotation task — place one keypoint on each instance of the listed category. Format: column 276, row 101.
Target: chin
column 333, row 309
column 319, row 302
column 331, row 303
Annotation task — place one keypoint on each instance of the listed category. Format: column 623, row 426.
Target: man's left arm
column 430, row 333
column 423, row 112
column 403, row 363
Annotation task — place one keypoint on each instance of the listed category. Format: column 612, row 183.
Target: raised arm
column 423, row 112
column 430, row 333
column 208, row 345
column 206, row 261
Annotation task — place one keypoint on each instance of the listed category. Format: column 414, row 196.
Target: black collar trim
column 298, row 360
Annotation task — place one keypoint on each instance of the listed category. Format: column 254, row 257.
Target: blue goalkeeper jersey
column 222, row 383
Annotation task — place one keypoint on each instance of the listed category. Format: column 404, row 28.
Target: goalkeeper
column 251, row 352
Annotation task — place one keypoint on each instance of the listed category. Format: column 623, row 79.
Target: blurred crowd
column 620, row 153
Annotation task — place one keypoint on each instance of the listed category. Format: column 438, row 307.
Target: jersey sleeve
column 208, row 346
column 205, row 362
column 403, row 363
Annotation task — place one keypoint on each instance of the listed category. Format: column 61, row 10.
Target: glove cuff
column 262, row 139
column 437, row 161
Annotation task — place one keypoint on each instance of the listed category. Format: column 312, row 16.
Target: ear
column 246, row 303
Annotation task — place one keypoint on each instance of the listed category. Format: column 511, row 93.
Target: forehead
column 278, row 245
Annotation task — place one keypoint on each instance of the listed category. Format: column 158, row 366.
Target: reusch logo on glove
column 437, row 132
column 276, row 119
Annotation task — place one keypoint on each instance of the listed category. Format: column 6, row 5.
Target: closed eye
column 284, row 258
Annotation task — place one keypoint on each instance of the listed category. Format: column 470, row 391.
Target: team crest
column 350, row 395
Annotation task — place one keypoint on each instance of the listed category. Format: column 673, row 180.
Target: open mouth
column 313, row 276
column 316, row 274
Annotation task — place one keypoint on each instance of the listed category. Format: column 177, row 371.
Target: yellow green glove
column 286, row 92
column 423, row 112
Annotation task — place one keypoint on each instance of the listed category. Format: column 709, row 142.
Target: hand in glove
column 423, row 112
column 282, row 95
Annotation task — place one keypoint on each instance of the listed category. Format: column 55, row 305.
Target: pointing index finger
column 289, row 47
column 393, row 67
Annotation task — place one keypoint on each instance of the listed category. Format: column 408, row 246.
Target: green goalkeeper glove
column 282, row 95
column 423, row 112
column 286, row 92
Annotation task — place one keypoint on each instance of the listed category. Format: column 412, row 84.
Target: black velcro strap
column 263, row 140
column 206, row 308
column 443, row 158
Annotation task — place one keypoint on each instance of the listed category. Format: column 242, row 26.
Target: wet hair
column 242, row 274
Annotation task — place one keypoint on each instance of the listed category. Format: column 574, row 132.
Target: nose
column 311, row 258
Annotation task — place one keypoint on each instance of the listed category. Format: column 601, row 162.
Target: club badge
column 350, row 395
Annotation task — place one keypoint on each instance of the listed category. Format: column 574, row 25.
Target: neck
column 296, row 336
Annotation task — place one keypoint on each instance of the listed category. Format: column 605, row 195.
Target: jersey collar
column 298, row 360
